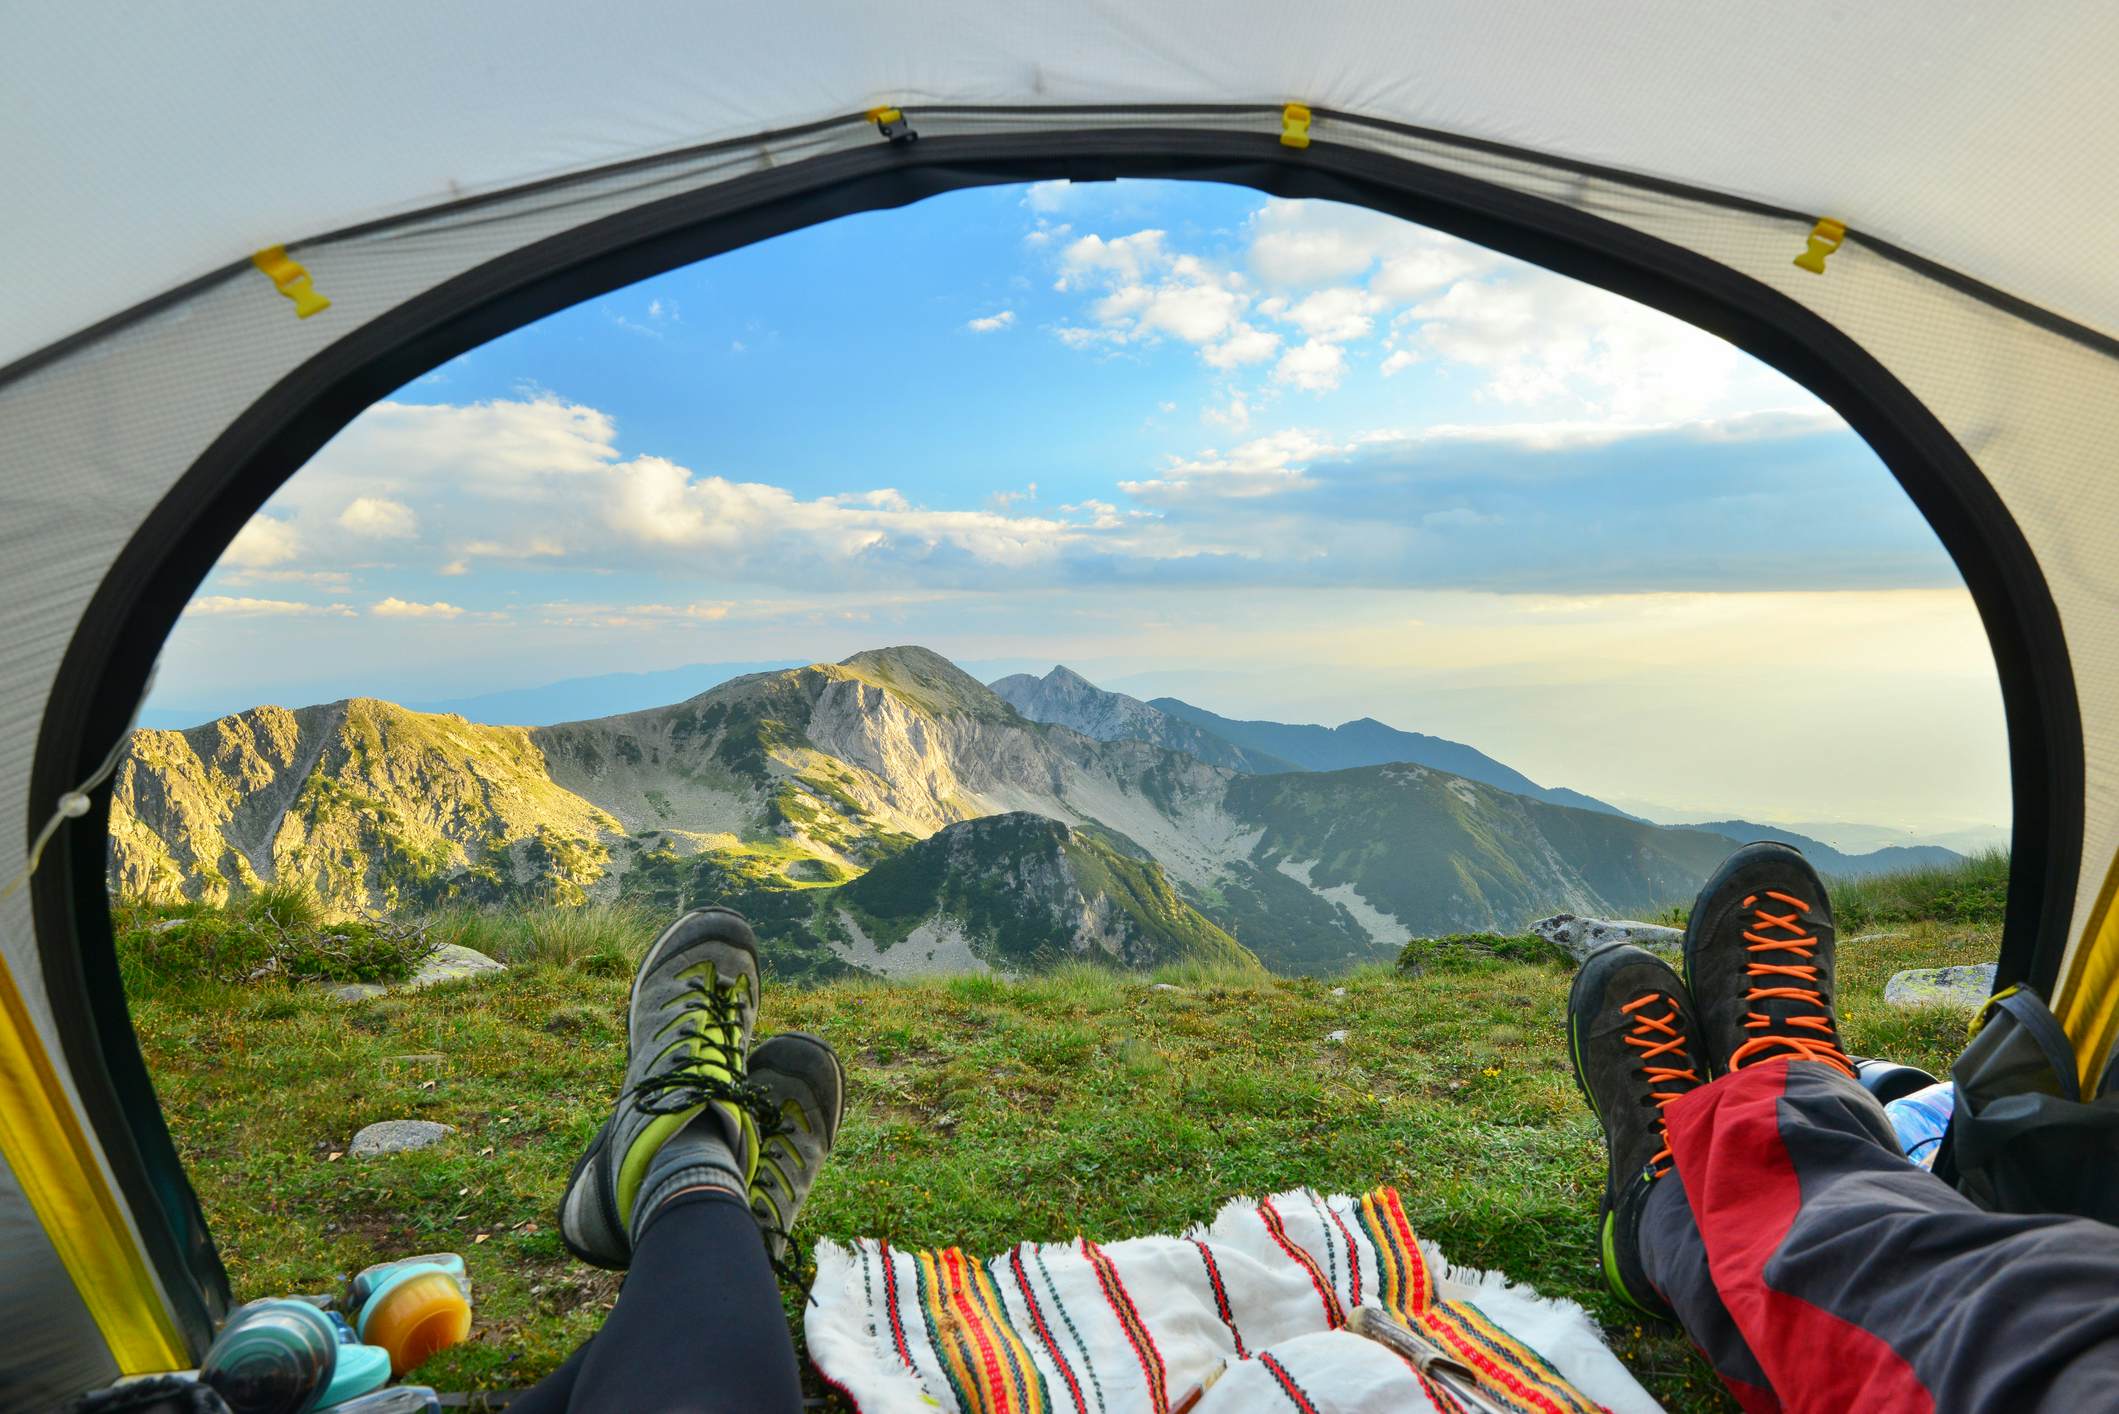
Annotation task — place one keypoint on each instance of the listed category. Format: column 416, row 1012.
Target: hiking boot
column 1758, row 960
column 687, row 1115
column 1630, row 1034
column 801, row 1078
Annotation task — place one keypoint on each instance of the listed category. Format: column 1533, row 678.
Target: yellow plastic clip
column 891, row 123
column 1295, row 125
column 292, row 280
column 1825, row 237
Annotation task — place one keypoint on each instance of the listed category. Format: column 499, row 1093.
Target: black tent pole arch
column 134, row 609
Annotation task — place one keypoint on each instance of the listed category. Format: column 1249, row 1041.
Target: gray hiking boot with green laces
column 802, row 1080
column 688, row 1114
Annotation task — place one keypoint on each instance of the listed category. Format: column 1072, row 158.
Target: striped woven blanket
column 1248, row 1313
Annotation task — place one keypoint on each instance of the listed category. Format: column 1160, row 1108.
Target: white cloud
column 223, row 605
column 1124, row 259
column 395, row 608
column 534, row 547
column 455, row 567
column 1542, row 339
column 262, row 541
column 1398, row 360
column 1336, row 315
column 1244, row 344
column 374, row 518
column 1296, row 244
column 322, row 579
column 1046, row 196
column 1263, row 466
column 1315, row 366
column 1414, row 273
column 992, row 322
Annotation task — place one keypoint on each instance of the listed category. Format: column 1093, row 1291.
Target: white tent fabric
column 148, row 145
column 150, row 150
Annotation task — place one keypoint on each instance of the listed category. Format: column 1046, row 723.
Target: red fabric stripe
column 1287, row 1382
column 1440, row 1322
column 1744, row 1192
column 1276, row 1228
column 953, row 1282
column 890, row 1302
column 1421, row 1295
column 1044, row 1332
column 1221, row 1297
column 1121, row 1303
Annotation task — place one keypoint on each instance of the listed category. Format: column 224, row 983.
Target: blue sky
column 1290, row 458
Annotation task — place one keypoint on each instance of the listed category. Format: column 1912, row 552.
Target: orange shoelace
column 1780, row 932
column 1655, row 1036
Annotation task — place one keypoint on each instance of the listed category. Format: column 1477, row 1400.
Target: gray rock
column 356, row 991
column 1167, row 987
column 1579, row 937
column 1337, row 1038
column 395, row 1136
column 449, row 962
column 1338, row 991
column 1967, row 987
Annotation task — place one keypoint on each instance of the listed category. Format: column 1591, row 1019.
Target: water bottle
column 1919, row 1119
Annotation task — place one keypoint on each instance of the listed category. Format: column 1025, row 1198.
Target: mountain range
column 891, row 813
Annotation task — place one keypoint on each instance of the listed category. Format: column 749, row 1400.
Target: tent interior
column 231, row 238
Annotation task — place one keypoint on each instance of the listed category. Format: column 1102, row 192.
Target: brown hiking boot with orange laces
column 1758, row 961
column 1630, row 1034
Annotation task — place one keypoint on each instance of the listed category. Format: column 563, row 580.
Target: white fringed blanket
column 1251, row 1310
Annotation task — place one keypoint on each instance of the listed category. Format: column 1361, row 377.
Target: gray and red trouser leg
column 1818, row 1270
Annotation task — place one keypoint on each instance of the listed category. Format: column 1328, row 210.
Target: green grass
column 275, row 933
column 1976, row 891
column 982, row 1112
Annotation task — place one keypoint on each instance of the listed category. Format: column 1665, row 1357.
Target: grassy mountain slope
column 362, row 801
column 1433, row 853
column 1027, row 893
column 776, row 785
column 1368, row 742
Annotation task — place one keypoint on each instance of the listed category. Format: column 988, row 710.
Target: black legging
column 698, row 1327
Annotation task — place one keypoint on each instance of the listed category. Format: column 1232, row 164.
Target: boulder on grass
column 1967, row 987
column 450, row 962
column 395, row 1136
column 1579, row 937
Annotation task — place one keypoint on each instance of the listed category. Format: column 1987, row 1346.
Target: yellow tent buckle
column 1295, row 125
column 892, row 124
column 1825, row 237
column 291, row 279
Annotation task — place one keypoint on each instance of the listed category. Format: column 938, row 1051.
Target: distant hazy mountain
column 1066, row 698
column 1368, row 742
column 884, row 813
column 604, row 695
column 1827, row 860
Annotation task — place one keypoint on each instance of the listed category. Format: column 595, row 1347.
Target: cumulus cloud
column 1263, row 466
column 1243, row 344
column 395, row 608
column 234, row 606
column 374, row 518
column 263, row 541
column 1315, row 366
column 991, row 323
